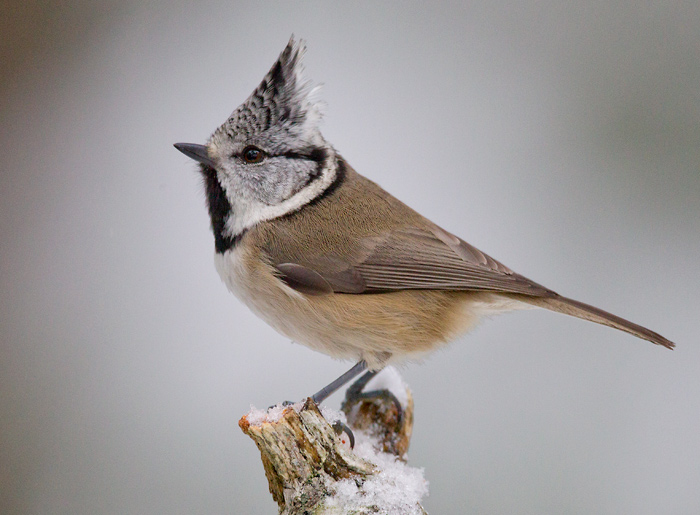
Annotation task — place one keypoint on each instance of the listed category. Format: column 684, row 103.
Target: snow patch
column 395, row 489
column 333, row 416
column 256, row 416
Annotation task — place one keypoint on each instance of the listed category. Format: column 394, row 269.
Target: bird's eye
column 253, row 154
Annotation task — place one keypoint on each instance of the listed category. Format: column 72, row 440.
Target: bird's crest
column 283, row 99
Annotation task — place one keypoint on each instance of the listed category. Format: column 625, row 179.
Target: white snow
column 332, row 416
column 256, row 416
column 396, row 488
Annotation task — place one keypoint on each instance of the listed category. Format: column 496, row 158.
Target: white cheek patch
column 278, row 179
column 248, row 211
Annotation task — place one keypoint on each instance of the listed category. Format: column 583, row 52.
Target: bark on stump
column 306, row 462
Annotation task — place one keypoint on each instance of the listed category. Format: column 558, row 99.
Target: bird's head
column 269, row 158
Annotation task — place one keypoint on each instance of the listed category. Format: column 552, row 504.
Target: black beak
column 197, row 152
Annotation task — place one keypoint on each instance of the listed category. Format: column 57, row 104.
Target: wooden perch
column 311, row 471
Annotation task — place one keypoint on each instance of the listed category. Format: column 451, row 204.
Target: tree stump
column 312, row 470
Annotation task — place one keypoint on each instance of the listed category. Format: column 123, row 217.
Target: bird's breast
column 402, row 324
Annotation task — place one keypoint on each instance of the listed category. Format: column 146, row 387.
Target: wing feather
column 412, row 258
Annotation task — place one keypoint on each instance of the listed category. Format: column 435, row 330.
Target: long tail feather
column 586, row 312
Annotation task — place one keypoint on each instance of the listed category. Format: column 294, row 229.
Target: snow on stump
column 312, row 470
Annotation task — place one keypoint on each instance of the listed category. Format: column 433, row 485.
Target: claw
column 341, row 428
column 354, row 394
column 283, row 403
column 353, row 397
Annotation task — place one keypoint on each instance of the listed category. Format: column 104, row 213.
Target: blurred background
column 561, row 138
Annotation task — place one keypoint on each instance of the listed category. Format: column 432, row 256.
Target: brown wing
column 418, row 259
column 414, row 258
column 373, row 243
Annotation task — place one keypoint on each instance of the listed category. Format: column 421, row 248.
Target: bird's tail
column 586, row 312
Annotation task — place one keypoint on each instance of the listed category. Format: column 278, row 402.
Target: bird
column 330, row 259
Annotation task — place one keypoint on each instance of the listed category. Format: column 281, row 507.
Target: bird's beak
column 197, row 152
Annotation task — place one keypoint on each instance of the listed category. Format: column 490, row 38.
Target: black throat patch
column 219, row 210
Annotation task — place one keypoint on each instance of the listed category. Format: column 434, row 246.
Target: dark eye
column 253, row 154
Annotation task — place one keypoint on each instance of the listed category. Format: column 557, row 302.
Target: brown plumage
column 332, row 260
column 358, row 274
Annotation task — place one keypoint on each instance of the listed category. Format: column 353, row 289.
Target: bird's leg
column 327, row 390
column 354, row 393
column 355, row 389
column 339, row 428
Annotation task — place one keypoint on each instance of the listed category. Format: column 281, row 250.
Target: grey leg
column 354, row 393
column 324, row 392
column 355, row 389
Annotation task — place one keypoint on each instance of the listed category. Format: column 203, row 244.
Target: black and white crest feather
column 282, row 100
column 280, row 122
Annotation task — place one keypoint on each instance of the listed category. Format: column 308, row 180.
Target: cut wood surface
column 311, row 469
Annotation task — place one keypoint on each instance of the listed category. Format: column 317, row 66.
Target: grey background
column 560, row 138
